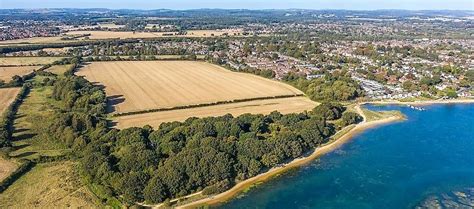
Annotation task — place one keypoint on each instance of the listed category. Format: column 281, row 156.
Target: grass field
column 6, row 73
column 50, row 185
column 284, row 105
column 7, row 95
column 58, row 69
column 9, row 61
column 29, row 138
column 135, row 86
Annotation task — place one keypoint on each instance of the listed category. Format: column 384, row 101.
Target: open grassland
column 284, row 105
column 7, row 95
column 6, row 73
column 6, row 168
column 50, row 185
column 58, row 69
column 147, row 85
column 129, row 34
column 29, row 138
column 11, row 61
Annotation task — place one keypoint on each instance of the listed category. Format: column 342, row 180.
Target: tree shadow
column 111, row 123
column 20, row 146
column 98, row 84
column 20, row 130
column 18, row 116
column 113, row 101
column 25, row 154
column 24, row 136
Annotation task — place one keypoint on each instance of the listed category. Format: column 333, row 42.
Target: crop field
column 6, row 168
column 6, row 73
column 146, row 85
column 129, row 34
column 19, row 61
column 49, row 185
column 283, row 105
column 7, row 95
column 34, row 40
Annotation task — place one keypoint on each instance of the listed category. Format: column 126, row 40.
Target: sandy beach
column 229, row 194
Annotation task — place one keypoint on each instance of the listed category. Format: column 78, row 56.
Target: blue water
column 392, row 166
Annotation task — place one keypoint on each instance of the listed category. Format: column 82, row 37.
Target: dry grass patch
column 7, row 95
column 6, row 168
column 9, row 61
column 145, row 85
column 51, row 185
column 6, row 73
column 284, row 105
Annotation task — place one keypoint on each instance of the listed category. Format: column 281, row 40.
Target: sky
column 244, row 4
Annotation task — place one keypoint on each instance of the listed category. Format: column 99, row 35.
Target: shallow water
column 400, row 165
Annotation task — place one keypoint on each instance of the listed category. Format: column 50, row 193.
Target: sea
column 426, row 161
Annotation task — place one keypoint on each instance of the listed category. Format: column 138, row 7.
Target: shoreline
column 422, row 102
column 318, row 152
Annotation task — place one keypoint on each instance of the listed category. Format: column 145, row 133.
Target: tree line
column 330, row 86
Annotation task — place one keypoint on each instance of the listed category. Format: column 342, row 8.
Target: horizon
column 236, row 9
column 360, row 5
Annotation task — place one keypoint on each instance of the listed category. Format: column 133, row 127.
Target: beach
column 330, row 146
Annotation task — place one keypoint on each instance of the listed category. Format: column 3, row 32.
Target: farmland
column 283, row 105
column 6, row 73
column 6, row 167
column 129, row 34
column 33, row 40
column 137, row 86
column 22, row 61
column 7, row 95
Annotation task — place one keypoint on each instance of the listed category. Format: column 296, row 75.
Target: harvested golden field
column 34, row 40
column 9, row 61
column 110, row 25
column 145, row 85
column 6, row 168
column 129, row 34
column 284, row 105
column 49, row 185
column 6, row 73
column 7, row 95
